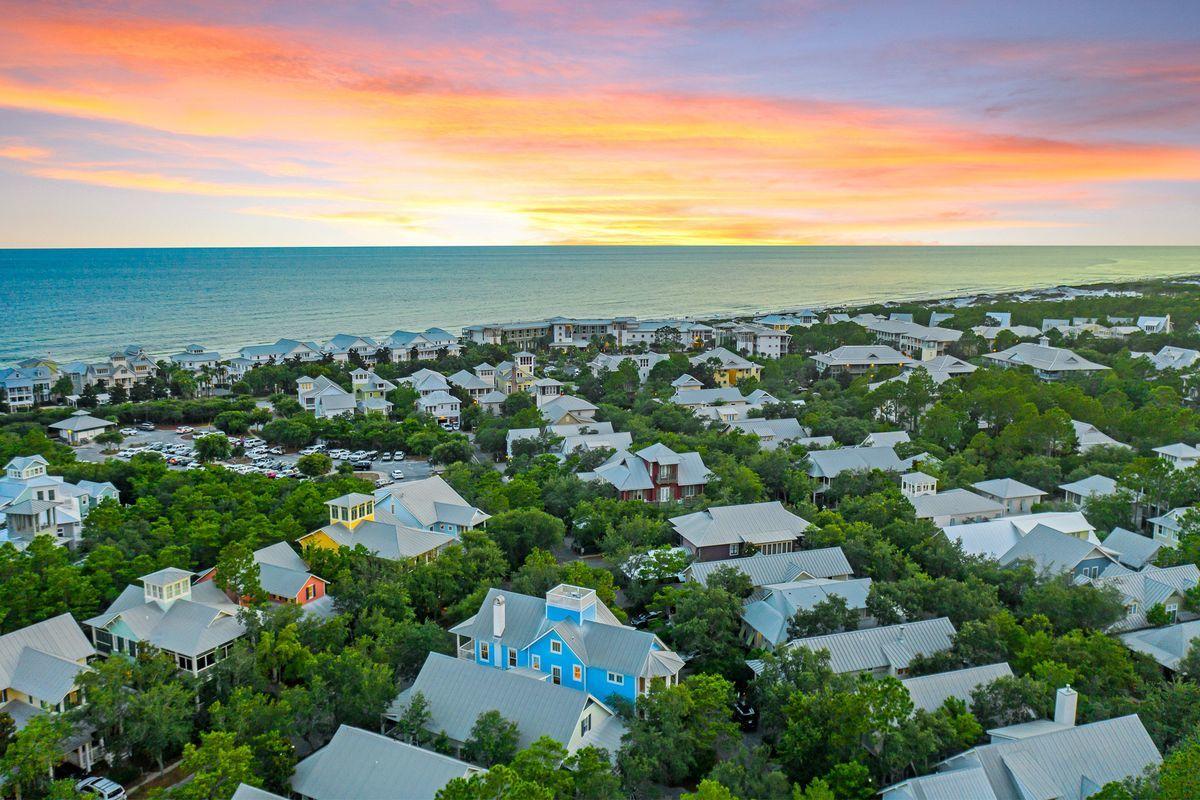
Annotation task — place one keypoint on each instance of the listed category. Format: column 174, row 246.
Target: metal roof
column 1007, row 489
column 738, row 523
column 1166, row 645
column 432, row 500
column 370, row 766
column 891, row 646
column 1052, row 551
column 826, row 562
column 772, row 615
column 953, row 502
column 37, row 656
column 1132, row 549
column 929, row 692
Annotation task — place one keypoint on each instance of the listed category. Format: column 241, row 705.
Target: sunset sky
column 566, row 122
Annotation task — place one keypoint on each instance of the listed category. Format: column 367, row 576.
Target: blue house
column 1056, row 553
column 569, row 636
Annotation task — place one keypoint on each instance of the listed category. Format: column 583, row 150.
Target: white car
column 129, row 431
column 379, row 484
column 184, row 429
column 101, row 788
column 397, row 475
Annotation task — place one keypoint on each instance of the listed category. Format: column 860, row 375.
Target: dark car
column 638, row 620
column 362, row 465
column 745, row 714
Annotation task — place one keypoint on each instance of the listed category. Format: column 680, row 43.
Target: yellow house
column 354, row 520
column 728, row 367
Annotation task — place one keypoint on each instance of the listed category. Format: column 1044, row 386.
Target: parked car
column 145, row 426
column 102, row 788
column 379, row 484
column 129, row 431
column 362, row 465
column 745, row 714
column 276, row 451
column 397, row 475
column 641, row 619
column 185, row 429
column 386, row 457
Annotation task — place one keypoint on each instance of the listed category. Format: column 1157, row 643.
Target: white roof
column 1044, row 358
column 995, row 537
column 750, row 522
column 1008, row 489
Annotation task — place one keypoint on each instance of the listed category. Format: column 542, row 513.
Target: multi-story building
column 755, row 340
column 655, row 474
column 22, row 388
column 33, row 503
column 427, row 345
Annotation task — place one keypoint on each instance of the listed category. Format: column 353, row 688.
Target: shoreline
column 936, row 297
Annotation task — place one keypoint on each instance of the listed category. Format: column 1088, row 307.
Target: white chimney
column 498, row 616
column 1064, row 706
column 1044, row 341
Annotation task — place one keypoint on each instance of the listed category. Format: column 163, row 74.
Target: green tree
column 217, row 766
column 213, row 447
column 519, row 532
column 828, row 616
column 314, row 465
column 1179, row 775
column 29, row 760
column 493, row 740
column 705, row 622
column 237, row 573
column 160, row 719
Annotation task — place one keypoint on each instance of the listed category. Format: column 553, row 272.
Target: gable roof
column 1149, row 587
column 628, row 472
column 890, row 646
column 995, row 537
column 831, row 463
column 748, row 522
column 431, row 500
column 1054, row 552
column 385, row 536
column 929, row 692
column 1132, row 549
column 827, row 562
column 1008, row 489
column 1166, row 645
column 726, row 358
column 40, row 659
column 458, row 691
column 771, row 616
column 370, row 766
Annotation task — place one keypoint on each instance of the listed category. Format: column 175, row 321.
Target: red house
column 284, row 576
column 655, row 474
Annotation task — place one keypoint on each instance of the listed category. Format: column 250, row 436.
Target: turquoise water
column 82, row 303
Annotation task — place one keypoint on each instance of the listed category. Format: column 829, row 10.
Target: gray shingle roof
column 458, row 691
column 369, row 766
column 929, row 692
column 891, row 646
column 827, row 562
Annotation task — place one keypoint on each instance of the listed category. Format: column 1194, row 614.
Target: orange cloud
column 347, row 133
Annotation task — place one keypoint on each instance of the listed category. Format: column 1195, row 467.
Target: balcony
column 467, row 651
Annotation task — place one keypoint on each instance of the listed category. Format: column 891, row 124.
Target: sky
column 436, row 122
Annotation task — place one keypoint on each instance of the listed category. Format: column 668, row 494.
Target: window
column 310, row 592
column 1172, row 610
column 616, row 678
column 555, row 646
column 535, row 661
column 576, row 673
column 585, row 724
column 512, row 657
column 485, row 651
column 733, row 549
column 556, row 674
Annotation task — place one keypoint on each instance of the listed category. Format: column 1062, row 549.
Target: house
column 683, row 333
column 860, row 359
column 724, row 531
column 195, row 625
column 1090, row 436
column 324, row 398
column 1179, row 455
column 825, row 465
column 1168, row 357
column 1167, row 527
column 123, row 368
column 471, row 383
column 195, row 358
column 1016, row 497
column 430, row 504
column 754, row 339
column 354, row 520
column 571, row 636
column 656, row 474
column 40, row 667
column 1154, row 324
column 915, row 341
column 685, row 382
column 571, row 438
column 1060, row 761
column 245, row 791
column 282, row 350
column 930, row 692
column 580, row 333
column 345, row 345
column 826, row 562
column 879, row 651
column 443, row 407
column 726, row 403
column 885, row 439
column 370, row 391
column 457, row 691
column 805, row 318
column 427, row 345
column 370, row 766
column 1052, row 552
column 521, row 334
column 21, row 388
column 772, row 433
column 990, row 332
column 26, row 491
column 1149, row 587
column 80, row 428
column 285, row 578
column 1133, row 549
column 1048, row 363
column 954, row 507
column 728, row 367
column 1078, row 492
column 611, row 362
column 1167, row 645
column 996, row 537
column 425, row 382
column 767, row 619
column 566, row 409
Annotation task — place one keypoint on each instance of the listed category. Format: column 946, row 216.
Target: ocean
column 81, row 304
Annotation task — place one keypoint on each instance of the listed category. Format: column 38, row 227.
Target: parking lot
column 170, row 441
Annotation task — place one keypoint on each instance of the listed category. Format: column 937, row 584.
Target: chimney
column 498, row 616
column 1064, row 706
column 1044, row 341
column 900, row 634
